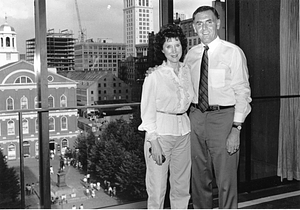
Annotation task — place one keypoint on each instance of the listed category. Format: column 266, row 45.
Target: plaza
column 74, row 185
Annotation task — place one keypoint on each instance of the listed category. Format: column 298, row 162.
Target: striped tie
column 203, row 89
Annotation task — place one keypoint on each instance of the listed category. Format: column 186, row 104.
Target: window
column 63, row 101
column 7, row 42
column 10, row 127
column 64, row 144
column 9, row 104
column 50, row 101
column 24, row 103
column 64, row 124
column 25, row 126
column 51, row 124
column 23, row 80
column 36, row 105
column 37, row 125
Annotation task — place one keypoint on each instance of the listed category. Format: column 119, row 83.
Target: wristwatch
column 239, row 127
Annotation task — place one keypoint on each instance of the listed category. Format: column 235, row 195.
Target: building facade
column 8, row 44
column 138, row 22
column 18, row 92
column 191, row 35
column 102, row 55
column 60, row 50
column 99, row 87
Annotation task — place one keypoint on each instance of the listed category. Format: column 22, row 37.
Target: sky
column 99, row 18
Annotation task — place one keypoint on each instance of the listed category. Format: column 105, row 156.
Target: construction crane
column 81, row 31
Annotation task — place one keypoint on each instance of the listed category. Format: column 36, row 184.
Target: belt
column 213, row 107
column 171, row 113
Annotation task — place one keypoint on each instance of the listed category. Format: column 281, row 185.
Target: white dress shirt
column 165, row 94
column 228, row 78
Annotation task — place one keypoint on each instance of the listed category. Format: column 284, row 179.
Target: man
column 215, row 136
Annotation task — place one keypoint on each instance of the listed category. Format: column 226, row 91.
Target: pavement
column 74, row 185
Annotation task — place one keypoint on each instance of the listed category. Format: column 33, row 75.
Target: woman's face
column 172, row 49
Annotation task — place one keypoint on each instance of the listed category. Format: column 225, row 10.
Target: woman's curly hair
column 168, row 31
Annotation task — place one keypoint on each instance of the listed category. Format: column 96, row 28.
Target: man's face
column 206, row 26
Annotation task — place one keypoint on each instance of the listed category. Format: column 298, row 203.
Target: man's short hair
column 206, row 8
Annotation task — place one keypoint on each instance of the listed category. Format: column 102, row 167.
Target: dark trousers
column 209, row 156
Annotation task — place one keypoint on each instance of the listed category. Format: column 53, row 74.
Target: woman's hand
column 156, row 152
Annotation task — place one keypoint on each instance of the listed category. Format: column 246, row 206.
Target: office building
column 60, row 50
column 138, row 22
column 102, row 55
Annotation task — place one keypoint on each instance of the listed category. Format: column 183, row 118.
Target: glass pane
column 96, row 153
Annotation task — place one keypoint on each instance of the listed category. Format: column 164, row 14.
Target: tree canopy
column 9, row 186
column 117, row 156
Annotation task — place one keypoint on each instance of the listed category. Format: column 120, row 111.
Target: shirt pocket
column 216, row 77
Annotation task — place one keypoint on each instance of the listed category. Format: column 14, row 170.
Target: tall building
column 60, row 50
column 138, row 22
column 100, row 55
column 18, row 92
column 8, row 44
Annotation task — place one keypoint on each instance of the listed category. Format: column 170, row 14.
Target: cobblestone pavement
column 73, row 179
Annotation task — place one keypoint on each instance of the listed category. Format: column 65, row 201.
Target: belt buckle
column 214, row 108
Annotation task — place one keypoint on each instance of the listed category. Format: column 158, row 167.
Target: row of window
column 25, row 124
column 12, row 148
column 115, row 91
column 10, row 104
column 7, row 42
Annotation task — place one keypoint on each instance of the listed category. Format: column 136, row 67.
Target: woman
column 167, row 94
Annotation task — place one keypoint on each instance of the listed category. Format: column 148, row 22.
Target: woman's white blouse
column 163, row 93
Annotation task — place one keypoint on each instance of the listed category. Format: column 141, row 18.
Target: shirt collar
column 213, row 45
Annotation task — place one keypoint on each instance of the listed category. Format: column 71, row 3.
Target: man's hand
column 233, row 141
column 150, row 70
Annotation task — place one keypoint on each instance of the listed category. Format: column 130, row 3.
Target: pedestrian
column 93, row 193
column 105, row 185
column 32, row 188
column 88, row 178
column 110, row 191
column 217, row 112
column 29, row 189
column 84, row 179
column 73, row 207
column 98, row 185
column 87, row 192
column 81, row 206
column 166, row 97
column 51, row 170
column 114, row 191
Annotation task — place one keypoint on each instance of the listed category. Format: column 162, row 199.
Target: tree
column 84, row 143
column 9, row 186
column 118, row 157
column 131, row 176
